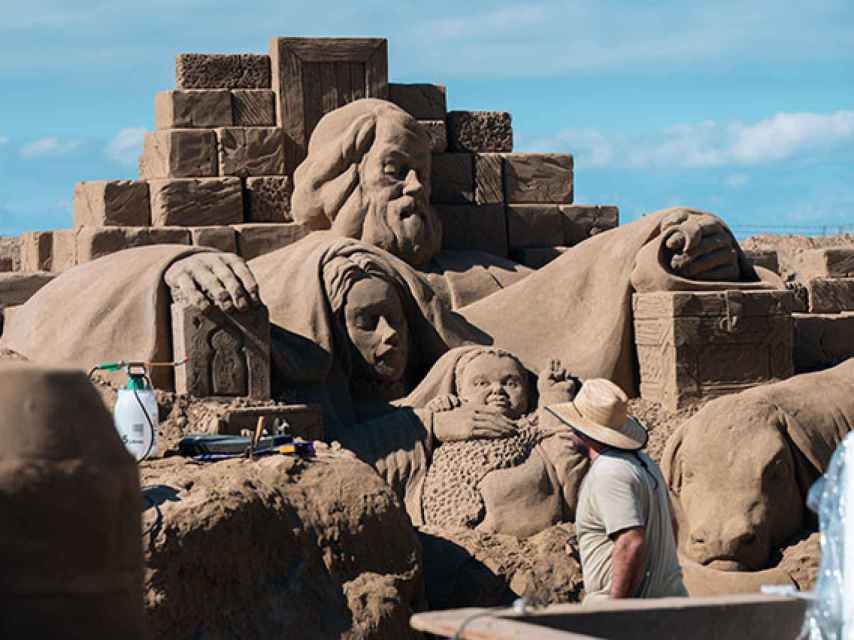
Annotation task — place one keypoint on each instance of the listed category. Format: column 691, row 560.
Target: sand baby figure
column 517, row 485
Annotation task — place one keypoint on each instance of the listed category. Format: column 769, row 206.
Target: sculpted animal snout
column 731, row 545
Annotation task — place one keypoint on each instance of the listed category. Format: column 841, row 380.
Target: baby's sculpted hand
column 221, row 279
column 701, row 246
column 555, row 384
column 445, row 402
column 472, row 422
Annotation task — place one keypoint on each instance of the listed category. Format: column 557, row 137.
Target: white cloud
column 50, row 146
column 4, row 140
column 708, row 144
column 736, row 180
column 126, row 146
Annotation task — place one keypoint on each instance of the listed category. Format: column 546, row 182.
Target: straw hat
column 599, row 411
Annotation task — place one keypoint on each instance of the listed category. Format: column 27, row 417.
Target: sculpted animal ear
column 671, row 463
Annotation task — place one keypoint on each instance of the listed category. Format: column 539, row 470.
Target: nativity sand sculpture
column 369, row 162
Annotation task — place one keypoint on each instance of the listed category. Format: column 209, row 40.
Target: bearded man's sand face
column 395, row 185
column 367, row 176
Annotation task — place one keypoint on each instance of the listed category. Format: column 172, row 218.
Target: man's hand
column 628, row 558
column 555, row 384
column 221, row 279
column 700, row 247
column 471, row 422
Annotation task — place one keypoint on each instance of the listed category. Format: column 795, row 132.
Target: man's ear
column 671, row 463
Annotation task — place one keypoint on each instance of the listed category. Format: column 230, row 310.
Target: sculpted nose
column 388, row 334
column 412, row 185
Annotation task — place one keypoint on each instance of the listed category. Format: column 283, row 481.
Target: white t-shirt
column 619, row 494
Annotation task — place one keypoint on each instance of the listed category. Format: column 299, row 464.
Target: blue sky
column 742, row 108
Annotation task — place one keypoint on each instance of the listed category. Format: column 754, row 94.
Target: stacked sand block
column 693, row 346
column 824, row 336
column 10, row 254
column 765, row 258
column 217, row 170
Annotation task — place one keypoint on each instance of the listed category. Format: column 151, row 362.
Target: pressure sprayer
column 135, row 413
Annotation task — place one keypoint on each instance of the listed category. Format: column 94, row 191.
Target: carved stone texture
column 178, row 153
column 768, row 259
column 251, row 151
column 313, row 76
column 268, row 199
column 822, row 340
column 196, row 202
column 17, row 288
column 94, row 242
column 488, row 178
column 437, row 131
column 303, row 420
column 536, row 257
column 222, row 238
column 254, row 240
column 835, row 262
column 830, row 295
column 226, row 354
column 421, row 101
column 480, row 131
column 452, row 178
column 102, row 203
column 581, row 221
column 533, row 178
column 192, row 109
column 699, row 345
column 477, row 227
column 222, row 71
column 253, row 108
column 534, row 226
column 36, row 250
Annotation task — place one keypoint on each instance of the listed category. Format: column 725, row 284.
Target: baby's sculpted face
column 496, row 381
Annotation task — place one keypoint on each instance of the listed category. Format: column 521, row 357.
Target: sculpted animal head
column 367, row 176
column 731, row 470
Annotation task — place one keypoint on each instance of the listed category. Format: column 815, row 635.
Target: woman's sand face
column 496, row 381
column 377, row 327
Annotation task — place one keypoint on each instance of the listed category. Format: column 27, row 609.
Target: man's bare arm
column 627, row 562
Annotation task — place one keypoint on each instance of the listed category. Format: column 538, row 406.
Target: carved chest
column 697, row 345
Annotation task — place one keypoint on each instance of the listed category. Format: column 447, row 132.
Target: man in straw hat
column 626, row 533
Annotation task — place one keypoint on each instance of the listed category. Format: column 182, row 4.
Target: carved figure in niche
column 740, row 468
column 228, row 365
column 467, row 448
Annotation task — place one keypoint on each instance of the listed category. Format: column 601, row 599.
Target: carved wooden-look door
column 313, row 76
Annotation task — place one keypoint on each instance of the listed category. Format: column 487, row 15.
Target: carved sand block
column 226, row 354
column 488, row 178
column 768, row 259
column 823, row 340
column 256, row 239
column 17, row 288
column 222, row 71
column 536, row 257
column 250, row 151
column 221, row 238
column 48, row 250
column 268, row 199
column 533, row 178
column 10, row 254
column 830, row 295
column 192, row 109
column 694, row 345
column 421, row 101
column 480, row 131
column 103, row 203
column 313, row 76
column 437, row 131
column 473, row 227
column 452, row 178
column 303, row 420
column 582, row 221
column 253, row 108
column 196, row 202
column 179, row 153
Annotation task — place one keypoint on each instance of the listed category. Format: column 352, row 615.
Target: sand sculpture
column 70, row 499
column 740, row 468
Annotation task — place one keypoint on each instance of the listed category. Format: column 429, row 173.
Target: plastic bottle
column 135, row 416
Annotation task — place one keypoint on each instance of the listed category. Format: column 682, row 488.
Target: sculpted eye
column 366, row 322
column 392, row 170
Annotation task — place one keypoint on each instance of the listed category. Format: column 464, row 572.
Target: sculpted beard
column 404, row 227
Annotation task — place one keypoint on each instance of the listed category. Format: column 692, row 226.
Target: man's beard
column 404, row 227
